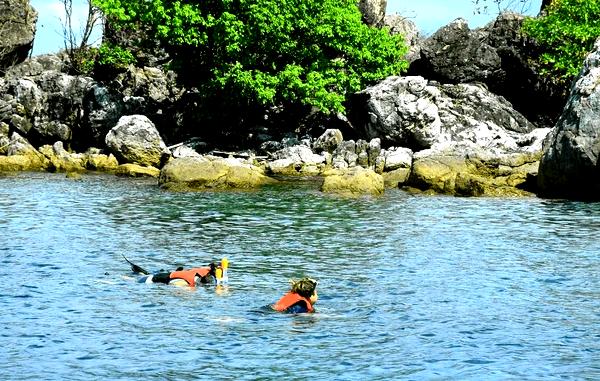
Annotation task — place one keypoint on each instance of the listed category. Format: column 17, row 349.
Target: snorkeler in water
column 213, row 273
column 300, row 298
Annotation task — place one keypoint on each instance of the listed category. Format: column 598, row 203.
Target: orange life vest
column 189, row 275
column 289, row 300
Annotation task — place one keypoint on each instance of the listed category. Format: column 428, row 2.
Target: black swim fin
column 135, row 268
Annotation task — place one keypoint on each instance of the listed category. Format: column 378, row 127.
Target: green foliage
column 106, row 58
column 272, row 52
column 114, row 57
column 566, row 33
column 82, row 60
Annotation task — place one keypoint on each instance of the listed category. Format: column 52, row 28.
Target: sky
column 428, row 15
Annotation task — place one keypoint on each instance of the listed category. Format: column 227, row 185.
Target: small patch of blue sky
column 49, row 36
column 428, row 15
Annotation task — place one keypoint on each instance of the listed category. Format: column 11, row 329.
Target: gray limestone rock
column 570, row 164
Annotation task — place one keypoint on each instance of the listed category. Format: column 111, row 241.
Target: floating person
column 300, row 299
column 213, row 273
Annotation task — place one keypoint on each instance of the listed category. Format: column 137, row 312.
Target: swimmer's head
column 305, row 287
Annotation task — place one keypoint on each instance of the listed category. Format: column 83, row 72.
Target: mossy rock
column 463, row 176
column 135, row 170
column 355, row 181
column 64, row 162
column 396, row 178
column 102, row 163
column 191, row 173
column 17, row 163
column 437, row 173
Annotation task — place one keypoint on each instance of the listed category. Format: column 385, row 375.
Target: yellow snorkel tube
column 221, row 271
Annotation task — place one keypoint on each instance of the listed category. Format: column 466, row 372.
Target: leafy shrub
column 268, row 52
column 114, row 56
column 566, row 33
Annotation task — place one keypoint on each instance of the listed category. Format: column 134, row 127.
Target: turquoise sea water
column 411, row 287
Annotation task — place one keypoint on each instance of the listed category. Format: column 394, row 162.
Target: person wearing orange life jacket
column 301, row 297
column 191, row 277
column 186, row 277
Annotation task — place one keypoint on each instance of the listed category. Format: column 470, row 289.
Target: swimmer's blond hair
column 304, row 287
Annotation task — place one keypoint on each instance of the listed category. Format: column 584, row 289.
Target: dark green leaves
column 314, row 52
column 566, row 33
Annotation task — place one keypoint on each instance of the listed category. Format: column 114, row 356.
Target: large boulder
column 17, row 32
column 136, row 140
column 455, row 54
column 499, row 55
column 208, row 172
column 570, row 165
column 416, row 113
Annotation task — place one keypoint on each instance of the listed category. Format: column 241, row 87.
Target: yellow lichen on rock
column 135, row 170
column 191, row 173
column 355, row 181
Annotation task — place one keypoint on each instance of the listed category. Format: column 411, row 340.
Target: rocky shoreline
column 472, row 118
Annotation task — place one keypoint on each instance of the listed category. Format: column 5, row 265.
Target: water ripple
column 410, row 287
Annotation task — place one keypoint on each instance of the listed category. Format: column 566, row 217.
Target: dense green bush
column 114, row 56
column 566, row 33
column 105, row 58
column 268, row 52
